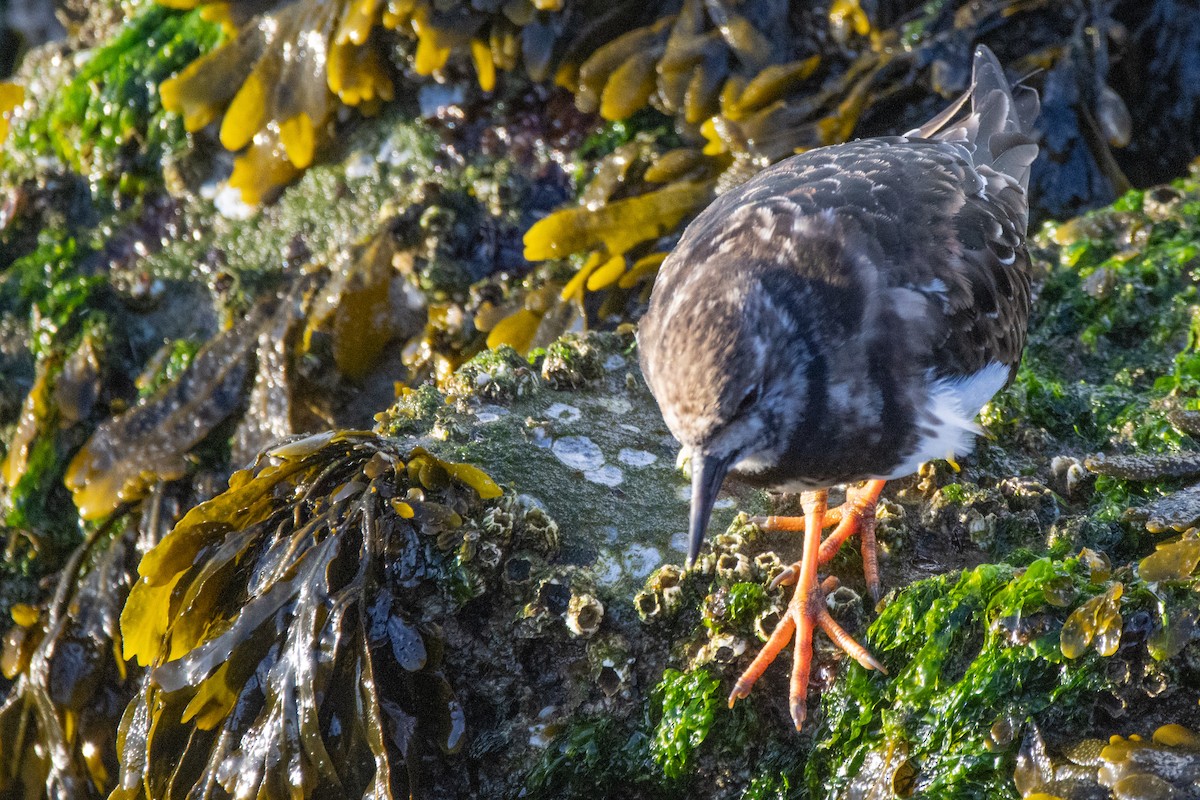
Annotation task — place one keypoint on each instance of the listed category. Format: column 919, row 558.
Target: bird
column 840, row 319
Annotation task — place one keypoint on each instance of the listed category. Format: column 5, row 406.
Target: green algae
column 1112, row 336
column 30, row 277
column 108, row 122
column 597, row 758
column 653, row 756
column 953, row 674
column 972, row 658
column 167, row 365
column 746, row 601
column 689, row 703
column 55, row 418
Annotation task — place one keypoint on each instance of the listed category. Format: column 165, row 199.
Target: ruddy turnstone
column 842, row 317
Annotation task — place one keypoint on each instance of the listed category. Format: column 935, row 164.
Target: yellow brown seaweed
column 289, row 65
column 356, row 306
column 35, row 413
column 150, row 442
column 333, row 527
column 1096, row 623
column 11, row 96
column 57, row 722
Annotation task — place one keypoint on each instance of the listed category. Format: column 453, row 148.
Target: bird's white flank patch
column 973, row 391
column 949, row 416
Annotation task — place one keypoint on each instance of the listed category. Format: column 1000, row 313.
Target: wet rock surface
column 460, row 573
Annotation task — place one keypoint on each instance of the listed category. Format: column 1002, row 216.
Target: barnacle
column 499, row 375
column 574, row 359
column 663, row 592
column 328, row 622
column 584, row 615
column 733, row 567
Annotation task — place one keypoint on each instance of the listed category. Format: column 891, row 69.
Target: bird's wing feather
column 919, row 210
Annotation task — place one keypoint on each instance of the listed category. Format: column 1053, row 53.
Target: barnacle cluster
column 993, row 518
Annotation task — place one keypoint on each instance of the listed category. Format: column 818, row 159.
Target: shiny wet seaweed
column 320, row 678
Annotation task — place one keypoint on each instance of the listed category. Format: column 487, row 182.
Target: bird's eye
column 748, row 402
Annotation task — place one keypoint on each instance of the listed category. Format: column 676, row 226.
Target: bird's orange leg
column 856, row 515
column 805, row 611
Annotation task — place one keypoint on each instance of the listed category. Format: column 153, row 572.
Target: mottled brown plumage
column 844, row 314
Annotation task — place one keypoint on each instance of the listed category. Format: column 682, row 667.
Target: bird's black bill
column 708, row 473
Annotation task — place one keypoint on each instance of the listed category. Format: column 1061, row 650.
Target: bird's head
column 729, row 377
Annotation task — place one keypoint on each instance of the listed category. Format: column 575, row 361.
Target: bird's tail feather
column 999, row 127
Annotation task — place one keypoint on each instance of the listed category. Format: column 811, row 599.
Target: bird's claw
column 807, row 610
column 855, row 515
column 785, row 578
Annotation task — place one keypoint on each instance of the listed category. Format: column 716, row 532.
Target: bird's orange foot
column 856, row 515
column 805, row 612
